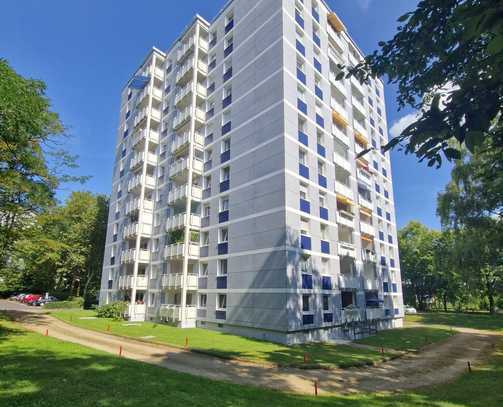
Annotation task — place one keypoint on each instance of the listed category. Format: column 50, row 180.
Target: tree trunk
column 444, row 299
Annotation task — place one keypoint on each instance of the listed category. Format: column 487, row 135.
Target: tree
column 471, row 206
column 62, row 251
column 447, row 60
column 29, row 135
column 416, row 245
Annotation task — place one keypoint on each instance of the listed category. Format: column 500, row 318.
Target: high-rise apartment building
column 238, row 202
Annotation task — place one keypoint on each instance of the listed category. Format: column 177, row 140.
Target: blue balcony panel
column 303, row 138
column 227, row 127
column 323, row 213
column 320, row 121
column 305, row 206
column 223, row 248
column 228, row 50
column 321, row 150
column 227, row 101
column 225, row 185
column 317, row 65
column 307, row 319
column 300, row 47
column 318, row 92
column 317, row 40
column 385, row 287
column 307, row 282
column 229, row 26
column 228, row 74
column 221, row 282
column 326, row 283
column 322, row 181
column 305, row 242
column 225, row 156
column 302, row 106
column 223, row 216
column 325, row 247
column 220, row 314
column 212, row 64
column 304, row 171
column 207, row 165
column 316, row 15
column 301, row 76
column 299, row 19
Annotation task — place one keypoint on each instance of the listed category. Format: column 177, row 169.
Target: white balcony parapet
column 340, row 135
column 345, row 218
column 142, row 135
column 177, row 250
column 356, row 83
column 176, row 312
column 181, row 220
column 342, row 162
column 127, row 282
column 159, row 73
column 375, row 313
column 184, row 69
column 346, row 249
column 368, row 255
column 130, row 256
column 367, row 228
column 184, row 139
column 343, row 190
column 182, row 192
column 138, row 180
column 339, row 84
column 360, row 129
column 134, row 229
column 365, row 202
column 182, row 51
column 359, row 105
column 183, row 165
column 364, row 176
column 175, row 281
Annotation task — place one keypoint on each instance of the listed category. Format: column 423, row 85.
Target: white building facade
column 238, row 203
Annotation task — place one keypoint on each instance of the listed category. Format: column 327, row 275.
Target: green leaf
column 452, row 153
column 403, row 18
column 473, row 140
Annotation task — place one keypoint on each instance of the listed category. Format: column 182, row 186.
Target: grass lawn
column 407, row 339
column 461, row 320
column 43, row 371
column 229, row 346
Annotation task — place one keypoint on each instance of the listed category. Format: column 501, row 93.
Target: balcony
column 339, row 118
column 137, row 181
column 143, row 135
column 181, row 143
column 369, row 256
column 130, row 256
column 159, row 73
column 345, row 218
column 375, row 313
column 182, row 193
column 342, row 162
column 185, row 48
column 365, row 202
column 184, row 96
column 340, row 84
column 361, row 135
column 134, row 229
column 183, row 117
column 344, row 190
column 349, row 280
column 358, row 104
column 346, row 249
column 180, row 168
column 175, row 281
column 181, row 220
column 367, row 228
column 356, row 84
column 342, row 136
column 140, row 158
column 335, row 22
column 128, row 282
column 176, row 313
column 183, row 74
column 364, row 176
column 177, row 251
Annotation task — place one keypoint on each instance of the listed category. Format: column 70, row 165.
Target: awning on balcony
column 336, row 23
column 361, row 139
column 367, row 237
column 139, row 82
column 365, row 210
column 343, row 199
column 337, row 117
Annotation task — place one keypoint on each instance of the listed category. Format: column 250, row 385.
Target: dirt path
column 436, row 364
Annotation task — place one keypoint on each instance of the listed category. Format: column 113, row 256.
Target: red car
column 31, row 298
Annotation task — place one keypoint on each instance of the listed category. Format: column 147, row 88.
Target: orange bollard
column 316, row 387
column 186, row 342
column 46, row 332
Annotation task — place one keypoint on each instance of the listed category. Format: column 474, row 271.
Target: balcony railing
column 181, row 220
column 130, row 256
column 177, row 250
column 127, row 282
column 175, row 281
column 346, row 249
column 176, row 313
column 182, row 192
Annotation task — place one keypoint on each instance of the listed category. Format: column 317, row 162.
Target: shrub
column 115, row 310
column 72, row 302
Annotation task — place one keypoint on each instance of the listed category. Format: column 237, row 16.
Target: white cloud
column 402, row 123
column 364, row 4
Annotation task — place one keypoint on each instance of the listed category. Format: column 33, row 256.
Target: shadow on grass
column 472, row 320
column 46, row 372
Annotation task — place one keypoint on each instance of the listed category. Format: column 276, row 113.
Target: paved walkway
column 437, row 363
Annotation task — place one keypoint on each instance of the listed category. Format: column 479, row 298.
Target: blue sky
column 85, row 50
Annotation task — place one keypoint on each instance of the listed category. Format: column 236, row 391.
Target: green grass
column 230, row 346
column 407, row 339
column 460, row 320
column 42, row 371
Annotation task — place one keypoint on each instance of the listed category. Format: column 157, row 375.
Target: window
column 301, row 69
column 322, row 201
column 326, row 303
column 299, row 14
column 228, row 46
column 229, row 22
column 213, row 62
column 301, row 99
column 213, row 38
column 306, row 306
column 206, row 211
column 302, row 157
column 226, row 145
column 321, row 168
column 222, row 267
column 227, row 69
column 226, row 117
column 304, row 226
column 202, row 300
column 223, row 235
column 224, row 204
column 225, row 174
column 324, row 232
column 222, row 301
column 227, row 97
column 205, row 240
column 303, row 192
column 203, row 269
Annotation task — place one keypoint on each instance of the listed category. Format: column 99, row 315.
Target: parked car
column 410, row 310
column 44, row 300
column 31, row 298
column 20, row 297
